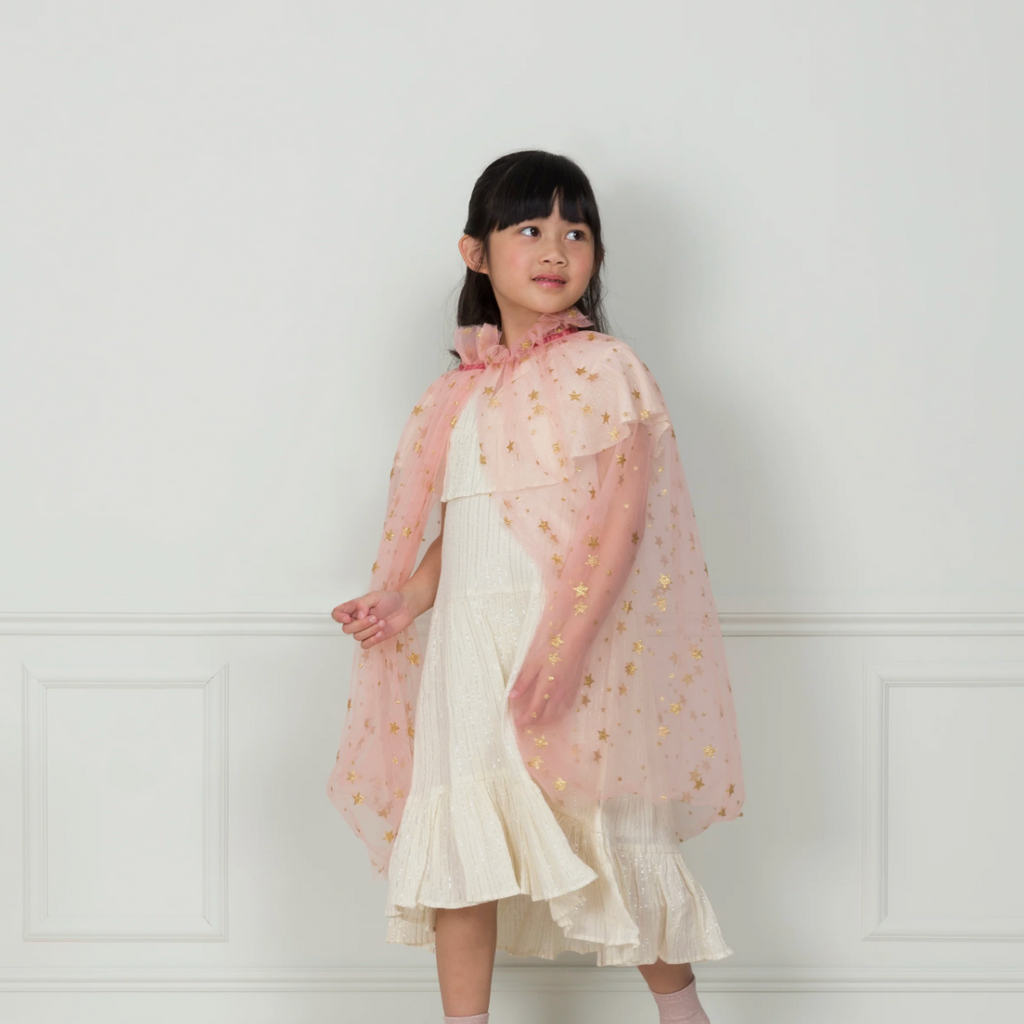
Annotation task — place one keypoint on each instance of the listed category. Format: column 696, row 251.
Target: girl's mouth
column 549, row 282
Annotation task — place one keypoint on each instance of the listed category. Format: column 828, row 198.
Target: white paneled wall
column 228, row 268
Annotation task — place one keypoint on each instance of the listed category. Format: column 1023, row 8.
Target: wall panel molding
column 877, row 921
column 39, row 923
column 321, row 624
column 506, row 979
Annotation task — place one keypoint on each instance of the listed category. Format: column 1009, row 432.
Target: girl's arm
column 380, row 614
column 420, row 588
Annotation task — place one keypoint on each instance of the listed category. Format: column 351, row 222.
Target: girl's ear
column 472, row 250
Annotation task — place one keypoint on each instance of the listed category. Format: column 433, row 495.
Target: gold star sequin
column 580, row 589
column 710, row 751
column 389, row 534
column 394, row 728
column 357, row 798
column 627, row 606
column 389, row 836
column 695, row 652
column 411, row 731
column 580, row 370
column 638, row 646
column 602, row 734
column 559, row 784
column 588, row 680
column 540, row 741
column 510, row 445
column 534, row 395
column 535, row 762
column 662, row 730
column 731, row 789
column 630, row 669
column 351, row 776
column 605, row 416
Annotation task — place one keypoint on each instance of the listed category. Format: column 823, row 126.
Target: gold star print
column 731, row 789
column 357, row 798
column 620, row 626
column 638, row 646
column 635, row 394
column 664, row 581
column 538, row 409
column 417, row 410
column 414, row 658
column 394, row 728
column 674, row 708
column 591, row 376
column 709, row 751
column 627, row 606
column 553, row 657
column 557, row 446
column 574, row 396
column 630, row 669
column 623, row 689
column 388, row 534
column 510, row 445
column 411, row 731
column 621, row 460
column 351, row 776
column 374, row 567
column 535, row 762
column 580, row 608
column 543, row 524
column 534, row 395
column 605, row 416
column 483, row 459
column 406, row 530
column 508, row 522
column 695, row 652
column 593, row 560
column 399, row 645
column 488, row 391
column 580, row 590
column 597, row 755
column 559, row 784
column 592, row 492
column 588, row 680
column 587, row 409
column 636, row 537
column 592, row 541
column 584, row 700
column 602, row 734
column 580, row 370
column 663, row 730
column 556, row 640
column 389, row 836
column 614, row 433
column 540, row 741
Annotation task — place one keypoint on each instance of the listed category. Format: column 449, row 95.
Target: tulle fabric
column 578, row 443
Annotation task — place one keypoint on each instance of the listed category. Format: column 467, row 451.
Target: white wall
column 228, row 269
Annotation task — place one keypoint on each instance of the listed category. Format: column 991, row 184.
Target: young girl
column 570, row 714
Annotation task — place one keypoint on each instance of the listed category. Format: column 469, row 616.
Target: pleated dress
column 476, row 827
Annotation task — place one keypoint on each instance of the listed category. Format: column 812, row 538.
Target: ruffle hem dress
column 476, row 827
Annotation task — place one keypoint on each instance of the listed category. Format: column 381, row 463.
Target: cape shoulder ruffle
column 576, row 438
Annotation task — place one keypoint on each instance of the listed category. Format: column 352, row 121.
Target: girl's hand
column 539, row 698
column 374, row 617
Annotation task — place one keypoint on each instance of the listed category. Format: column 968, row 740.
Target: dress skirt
column 476, row 827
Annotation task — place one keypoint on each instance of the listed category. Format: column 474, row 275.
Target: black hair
column 523, row 186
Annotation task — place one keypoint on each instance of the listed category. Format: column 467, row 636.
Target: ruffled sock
column 682, row 1007
column 477, row 1018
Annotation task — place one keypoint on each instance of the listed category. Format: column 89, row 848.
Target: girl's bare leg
column 662, row 977
column 466, row 939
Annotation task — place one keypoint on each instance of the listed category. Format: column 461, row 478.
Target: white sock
column 477, row 1018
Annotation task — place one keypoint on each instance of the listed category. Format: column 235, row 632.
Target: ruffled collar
column 480, row 346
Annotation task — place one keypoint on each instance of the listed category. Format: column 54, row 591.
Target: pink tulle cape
column 576, row 438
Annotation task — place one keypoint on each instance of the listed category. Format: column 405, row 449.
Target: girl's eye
column 575, row 231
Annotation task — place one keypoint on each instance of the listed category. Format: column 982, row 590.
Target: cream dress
column 476, row 827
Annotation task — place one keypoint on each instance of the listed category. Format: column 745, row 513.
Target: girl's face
column 538, row 266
